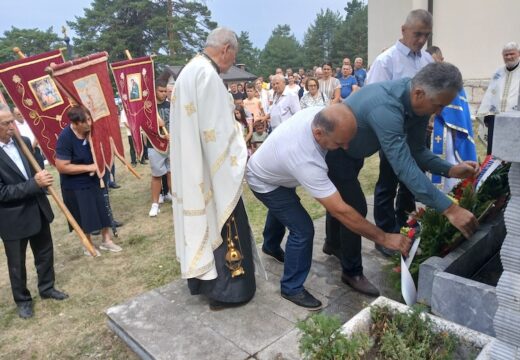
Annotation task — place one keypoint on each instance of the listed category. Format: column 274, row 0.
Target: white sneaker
column 168, row 197
column 110, row 246
column 154, row 210
column 161, row 199
column 87, row 253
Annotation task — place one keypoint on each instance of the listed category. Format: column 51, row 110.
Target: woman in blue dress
column 79, row 184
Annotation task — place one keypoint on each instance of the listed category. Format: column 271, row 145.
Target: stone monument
column 506, row 146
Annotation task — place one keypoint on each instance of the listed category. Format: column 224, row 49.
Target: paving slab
column 169, row 323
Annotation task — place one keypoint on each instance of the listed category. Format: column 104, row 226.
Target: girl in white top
column 292, row 86
column 329, row 85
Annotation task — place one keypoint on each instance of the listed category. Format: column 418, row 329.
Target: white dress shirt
column 11, row 151
column 397, row 62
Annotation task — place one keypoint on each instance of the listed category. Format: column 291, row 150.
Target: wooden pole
column 82, row 237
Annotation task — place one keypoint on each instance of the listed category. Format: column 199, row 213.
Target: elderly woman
column 313, row 96
column 79, row 185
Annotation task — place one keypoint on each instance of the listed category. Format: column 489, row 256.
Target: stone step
column 169, row 323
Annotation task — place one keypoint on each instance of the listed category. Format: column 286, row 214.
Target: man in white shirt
column 295, row 155
column 285, row 103
column 404, row 59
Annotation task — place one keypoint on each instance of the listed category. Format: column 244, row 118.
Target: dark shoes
column 114, row 185
column 329, row 250
column 25, row 310
column 54, row 294
column 117, row 223
column 304, row 299
column 385, row 251
column 360, row 283
column 277, row 255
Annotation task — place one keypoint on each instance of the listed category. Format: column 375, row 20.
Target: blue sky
column 259, row 18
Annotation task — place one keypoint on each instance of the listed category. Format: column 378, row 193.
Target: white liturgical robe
column 208, row 159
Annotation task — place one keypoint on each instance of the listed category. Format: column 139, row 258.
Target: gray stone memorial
column 506, row 143
column 449, row 284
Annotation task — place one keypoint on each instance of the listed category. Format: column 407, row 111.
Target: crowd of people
column 309, row 128
column 260, row 106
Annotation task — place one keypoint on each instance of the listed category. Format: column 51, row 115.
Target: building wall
column 470, row 33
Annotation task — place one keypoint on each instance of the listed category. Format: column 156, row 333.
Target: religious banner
column 35, row 94
column 87, row 82
column 136, row 85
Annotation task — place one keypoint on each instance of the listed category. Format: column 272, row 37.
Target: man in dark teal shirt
column 393, row 116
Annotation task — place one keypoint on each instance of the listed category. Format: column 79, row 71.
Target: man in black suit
column 25, row 215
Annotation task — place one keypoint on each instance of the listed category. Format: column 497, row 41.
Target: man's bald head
column 334, row 126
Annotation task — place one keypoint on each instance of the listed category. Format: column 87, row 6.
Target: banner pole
column 82, row 237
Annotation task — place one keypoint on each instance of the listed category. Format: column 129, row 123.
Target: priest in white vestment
column 208, row 158
column 502, row 92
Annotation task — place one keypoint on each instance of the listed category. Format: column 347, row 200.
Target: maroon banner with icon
column 136, row 85
column 87, row 82
column 39, row 99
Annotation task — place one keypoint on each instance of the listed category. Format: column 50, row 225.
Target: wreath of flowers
column 438, row 236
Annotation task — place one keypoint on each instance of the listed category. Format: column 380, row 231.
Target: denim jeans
column 286, row 211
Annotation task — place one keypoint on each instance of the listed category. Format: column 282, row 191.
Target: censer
column 233, row 255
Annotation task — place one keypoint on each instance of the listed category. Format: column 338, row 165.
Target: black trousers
column 489, row 121
column 343, row 172
column 41, row 246
column 133, row 158
column 225, row 288
column 387, row 217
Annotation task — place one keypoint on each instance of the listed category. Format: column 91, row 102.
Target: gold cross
column 234, row 161
column 190, row 109
column 209, row 135
column 438, row 139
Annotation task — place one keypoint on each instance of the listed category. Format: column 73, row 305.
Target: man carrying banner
column 26, row 214
column 208, row 156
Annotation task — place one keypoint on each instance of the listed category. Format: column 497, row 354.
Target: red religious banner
column 87, row 82
column 136, row 85
column 36, row 95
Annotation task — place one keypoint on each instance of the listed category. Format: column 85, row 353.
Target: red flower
column 411, row 222
column 411, row 233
